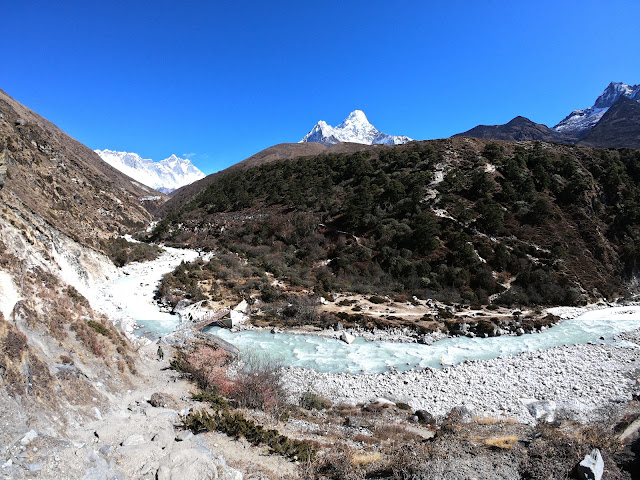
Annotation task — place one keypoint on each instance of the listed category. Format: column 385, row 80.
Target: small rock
column 29, row 437
column 163, row 473
column 105, row 450
column 378, row 404
column 96, row 413
column 135, row 439
column 184, row 435
column 34, row 467
column 425, row 417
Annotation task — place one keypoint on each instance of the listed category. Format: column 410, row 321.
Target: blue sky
column 223, row 80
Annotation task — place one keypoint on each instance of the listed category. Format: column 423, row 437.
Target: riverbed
column 330, row 355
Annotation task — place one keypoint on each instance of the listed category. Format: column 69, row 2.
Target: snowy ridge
column 581, row 121
column 355, row 129
column 165, row 176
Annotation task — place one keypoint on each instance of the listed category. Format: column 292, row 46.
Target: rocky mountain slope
column 354, row 129
column 591, row 126
column 165, row 176
column 579, row 122
column 619, row 126
column 63, row 182
column 60, row 359
column 458, row 220
column 518, row 129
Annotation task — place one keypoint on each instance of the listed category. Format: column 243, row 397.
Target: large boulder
column 347, row 337
column 541, row 410
column 592, row 467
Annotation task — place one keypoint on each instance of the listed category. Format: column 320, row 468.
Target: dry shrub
column 207, row 365
column 335, row 464
column 503, row 443
column 258, row 383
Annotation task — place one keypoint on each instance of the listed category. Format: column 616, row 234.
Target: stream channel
column 135, row 293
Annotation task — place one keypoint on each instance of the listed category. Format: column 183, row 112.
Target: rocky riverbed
column 578, row 381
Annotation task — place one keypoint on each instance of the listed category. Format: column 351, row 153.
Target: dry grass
column 503, row 443
column 489, row 420
column 364, row 459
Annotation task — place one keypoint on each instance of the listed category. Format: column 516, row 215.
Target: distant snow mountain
column 581, row 121
column 355, row 129
column 165, row 176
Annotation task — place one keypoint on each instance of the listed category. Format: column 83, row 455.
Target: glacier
column 165, row 176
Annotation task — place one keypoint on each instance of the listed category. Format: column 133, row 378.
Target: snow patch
column 9, row 295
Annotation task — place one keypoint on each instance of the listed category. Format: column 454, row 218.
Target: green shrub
column 312, row 401
column 377, row 299
column 100, row 328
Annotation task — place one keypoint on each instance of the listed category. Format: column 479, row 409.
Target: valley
column 397, row 310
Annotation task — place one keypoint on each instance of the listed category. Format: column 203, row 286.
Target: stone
column 29, row 437
column 542, row 410
column 592, row 467
column 347, row 338
column 425, row 417
column 183, row 436
column 462, row 413
column 135, row 439
column 34, row 467
column 163, row 400
column 378, row 404
column 164, row 437
column 163, row 473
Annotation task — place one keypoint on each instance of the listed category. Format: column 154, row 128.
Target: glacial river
column 329, row 355
column 134, row 294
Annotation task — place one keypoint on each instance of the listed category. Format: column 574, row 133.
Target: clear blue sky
column 223, row 80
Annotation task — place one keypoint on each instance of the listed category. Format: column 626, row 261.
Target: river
column 132, row 292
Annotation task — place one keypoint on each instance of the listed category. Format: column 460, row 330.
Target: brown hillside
column 63, row 181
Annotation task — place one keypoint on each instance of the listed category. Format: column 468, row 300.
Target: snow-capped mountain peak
column 164, row 176
column 581, row 121
column 355, row 129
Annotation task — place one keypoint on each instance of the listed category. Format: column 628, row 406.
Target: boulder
column 347, row 337
column 163, row 400
column 425, row 417
column 135, row 439
column 378, row 404
column 592, row 467
column 542, row 410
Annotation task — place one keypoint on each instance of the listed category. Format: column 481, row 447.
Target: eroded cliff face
column 59, row 203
